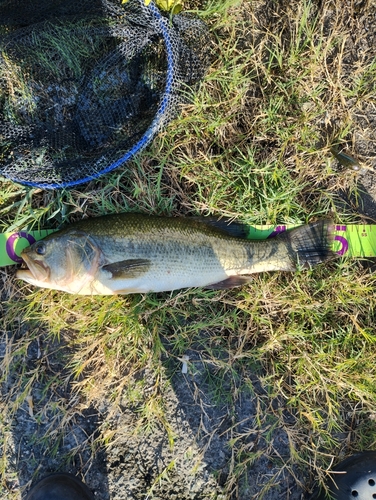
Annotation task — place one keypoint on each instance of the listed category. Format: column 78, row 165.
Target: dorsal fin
column 232, row 228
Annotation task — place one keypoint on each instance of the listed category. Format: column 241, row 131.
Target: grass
column 286, row 80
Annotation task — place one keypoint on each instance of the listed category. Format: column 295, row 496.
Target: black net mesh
column 85, row 85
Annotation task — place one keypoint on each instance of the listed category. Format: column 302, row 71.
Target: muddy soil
column 189, row 460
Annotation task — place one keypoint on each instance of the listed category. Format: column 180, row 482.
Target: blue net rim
column 148, row 135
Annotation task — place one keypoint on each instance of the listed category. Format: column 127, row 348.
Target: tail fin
column 312, row 243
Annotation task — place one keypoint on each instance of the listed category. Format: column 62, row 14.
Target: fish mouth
column 37, row 269
column 25, row 275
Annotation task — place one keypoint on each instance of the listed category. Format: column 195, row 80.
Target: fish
column 138, row 253
column 345, row 159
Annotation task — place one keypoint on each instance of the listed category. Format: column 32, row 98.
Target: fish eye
column 40, row 248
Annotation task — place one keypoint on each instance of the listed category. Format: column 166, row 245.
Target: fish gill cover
column 85, row 85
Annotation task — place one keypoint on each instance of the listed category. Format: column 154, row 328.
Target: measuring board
column 352, row 240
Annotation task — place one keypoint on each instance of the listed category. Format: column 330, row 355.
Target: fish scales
column 128, row 253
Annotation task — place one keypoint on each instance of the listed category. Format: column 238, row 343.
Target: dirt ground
column 140, row 465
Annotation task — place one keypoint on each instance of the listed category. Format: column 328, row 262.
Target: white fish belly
column 161, row 277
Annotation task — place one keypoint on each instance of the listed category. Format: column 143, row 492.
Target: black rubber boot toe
column 352, row 479
column 61, row 486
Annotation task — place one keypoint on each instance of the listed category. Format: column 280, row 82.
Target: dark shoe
column 352, row 479
column 60, row 487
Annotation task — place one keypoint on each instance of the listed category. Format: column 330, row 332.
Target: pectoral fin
column 130, row 268
column 230, row 282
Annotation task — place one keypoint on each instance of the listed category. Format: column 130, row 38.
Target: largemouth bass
column 134, row 253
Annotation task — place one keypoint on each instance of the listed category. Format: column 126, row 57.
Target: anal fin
column 230, row 282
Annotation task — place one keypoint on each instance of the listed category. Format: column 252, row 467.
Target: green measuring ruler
column 352, row 240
